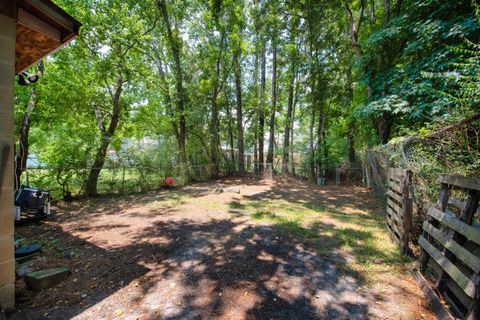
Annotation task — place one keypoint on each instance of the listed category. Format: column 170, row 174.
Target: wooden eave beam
column 36, row 24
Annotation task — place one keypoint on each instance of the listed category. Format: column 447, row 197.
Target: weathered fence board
column 466, row 284
column 451, row 245
column 457, row 225
column 468, row 258
column 461, row 182
column 399, row 206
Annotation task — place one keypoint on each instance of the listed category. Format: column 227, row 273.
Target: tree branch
column 99, row 117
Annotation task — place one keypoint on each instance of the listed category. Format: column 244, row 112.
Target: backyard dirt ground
column 230, row 249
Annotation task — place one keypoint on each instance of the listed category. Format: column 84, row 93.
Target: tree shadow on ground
column 219, row 268
column 258, row 271
column 96, row 273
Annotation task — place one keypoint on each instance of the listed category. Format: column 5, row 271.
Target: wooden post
column 407, row 209
column 123, row 179
column 367, row 175
column 441, row 205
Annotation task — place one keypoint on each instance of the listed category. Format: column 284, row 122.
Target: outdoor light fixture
column 25, row 78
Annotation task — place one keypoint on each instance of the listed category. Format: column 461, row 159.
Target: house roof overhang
column 42, row 28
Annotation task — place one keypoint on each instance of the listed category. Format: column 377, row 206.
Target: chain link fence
column 452, row 150
column 123, row 179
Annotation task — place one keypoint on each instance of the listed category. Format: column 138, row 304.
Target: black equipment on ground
column 32, row 201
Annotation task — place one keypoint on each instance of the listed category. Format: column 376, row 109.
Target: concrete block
column 8, row 27
column 6, row 247
column 7, row 74
column 6, row 46
column 7, row 297
column 6, row 202
column 6, row 227
column 6, row 99
column 7, row 273
column 47, row 278
column 6, row 127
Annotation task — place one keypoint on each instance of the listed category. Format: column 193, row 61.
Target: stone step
column 46, row 278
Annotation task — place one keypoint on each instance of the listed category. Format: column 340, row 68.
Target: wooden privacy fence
column 451, row 245
column 399, row 206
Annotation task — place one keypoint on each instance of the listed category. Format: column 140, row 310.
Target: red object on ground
column 169, row 182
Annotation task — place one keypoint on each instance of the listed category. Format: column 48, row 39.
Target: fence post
column 123, row 179
column 367, row 175
column 408, row 208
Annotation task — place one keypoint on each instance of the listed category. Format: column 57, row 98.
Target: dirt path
column 258, row 250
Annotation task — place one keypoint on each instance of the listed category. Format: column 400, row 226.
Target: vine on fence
column 452, row 150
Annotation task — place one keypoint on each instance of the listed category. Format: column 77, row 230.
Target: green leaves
column 416, row 57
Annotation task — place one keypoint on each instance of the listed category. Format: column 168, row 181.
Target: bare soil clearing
column 278, row 249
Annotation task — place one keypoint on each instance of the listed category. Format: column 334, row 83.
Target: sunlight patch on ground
column 359, row 234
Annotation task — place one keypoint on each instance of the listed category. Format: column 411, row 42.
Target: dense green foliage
column 169, row 84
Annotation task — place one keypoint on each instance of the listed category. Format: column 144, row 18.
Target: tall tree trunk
column 256, row 114
column 313, row 94
column 386, row 9
column 321, row 139
column 91, row 186
column 214, row 138
column 352, row 158
column 372, row 10
column 238, row 94
column 288, row 122
column 214, row 123
column 23, row 142
column 23, row 149
column 312, row 149
column 230, row 139
column 167, row 95
column 384, row 127
column 398, row 7
column 174, row 44
column 255, row 151
column 106, row 135
column 325, row 151
column 355, row 27
column 261, row 107
column 274, row 103
column 292, row 158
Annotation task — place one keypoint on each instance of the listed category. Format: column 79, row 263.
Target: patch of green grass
column 236, row 205
column 172, row 199
column 179, row 199
column 284, row 224
column 359, row 233
column 261, row 214
column 294, row 227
